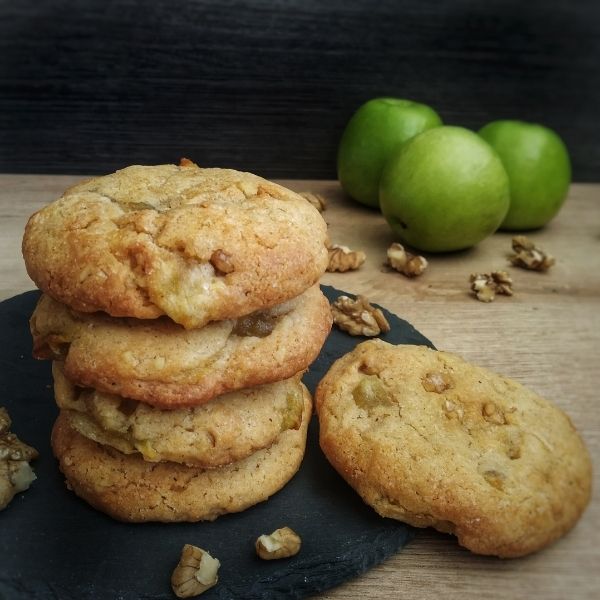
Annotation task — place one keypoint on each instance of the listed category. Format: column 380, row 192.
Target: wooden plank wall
column 267, row 85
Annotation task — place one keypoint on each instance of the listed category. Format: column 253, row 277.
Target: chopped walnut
column 342, row 259
column 487, row 286
column 186, row 162
column 528, row 256
column 282, row 543
column 195, row 573
column 495, row 478
column 221, row 261
column 437, row 382
column 358, row 317
column 315, row 199
column 453, row 410
column 514, row 442
column 404, row 262
column 15, row 473
column 492, row 414
column 369, row 366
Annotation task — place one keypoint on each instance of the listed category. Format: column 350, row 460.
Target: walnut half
column 195, row 573
column 15, row 473
column 342, row 259
column 358, row 317
column 282, row 543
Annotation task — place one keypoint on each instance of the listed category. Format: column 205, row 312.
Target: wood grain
column 268, row 85
column 547, row 336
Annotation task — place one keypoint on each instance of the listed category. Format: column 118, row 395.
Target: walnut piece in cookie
column 282, row 543
column 195, row 573
column 487, row 286
column 15, row 473
column 342, row 259
column 186, row 162
column 529, row 256
column 315, row 199
column 404, row 262
column 358, row 317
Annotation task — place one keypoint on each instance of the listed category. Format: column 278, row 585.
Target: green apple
column 375, row 130
column 445, row 189
column 538, row 167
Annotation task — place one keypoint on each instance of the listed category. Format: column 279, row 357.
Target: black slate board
column 53, row 545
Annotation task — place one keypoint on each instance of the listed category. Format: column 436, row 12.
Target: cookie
column 128, row 488
column 194, row 244
column 163, row 364
column 227, row 429
column 431, row 440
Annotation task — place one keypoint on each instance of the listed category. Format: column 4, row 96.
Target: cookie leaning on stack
column 180, row 307
column 431, row 440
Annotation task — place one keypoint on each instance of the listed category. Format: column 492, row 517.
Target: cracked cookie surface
column 128, row 488
column 431, row 440
column 222, row 431
column 194, row 244
column 161, row 363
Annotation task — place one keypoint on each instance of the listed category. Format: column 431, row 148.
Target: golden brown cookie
column 226, row 429
column 429, row 439
column 194, row 244
column 128, row 488
column 163, row 364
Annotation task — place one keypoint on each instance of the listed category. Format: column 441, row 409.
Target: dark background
column 268, row 85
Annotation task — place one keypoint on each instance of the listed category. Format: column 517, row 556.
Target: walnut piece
column 282, row 543
column 221, row 261
column 492, row 414
column 186, row 162
column 528, row 256
column 195, row 573
column 437, row 382
column 487, row 286
column 15, row 473
column 315, row 199
column 495, row 478
column 342, row 259
column 404, row 262
column 453, row 410
column 358, row 317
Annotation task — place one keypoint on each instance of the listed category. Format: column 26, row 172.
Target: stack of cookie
column 181, row 307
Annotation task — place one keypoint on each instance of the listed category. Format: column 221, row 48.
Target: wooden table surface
column 546, row 336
